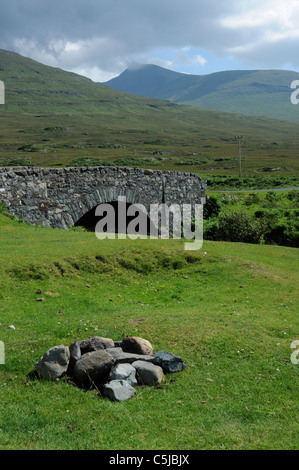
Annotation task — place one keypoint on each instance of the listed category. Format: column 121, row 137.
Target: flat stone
column 169, row 362
column 148, row 373
column 137, row 345
column 123, row 372
column 54, row 363
column 120, row 356
column 95, row 343
column 93, row 367
column 118, row 390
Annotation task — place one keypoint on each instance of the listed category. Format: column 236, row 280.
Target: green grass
column 229, row 310
column 54, row 118
column 239, row 390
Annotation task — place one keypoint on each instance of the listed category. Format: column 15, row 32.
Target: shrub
column 252, row 198
column 210, row 227
column 212, row 207
column 272, row 196
column 18, row 162
column 28, row 148
column 283, row 233
column 293, row 195
column 235, row 227
column 77, row 228
column 256, row 182
column 269, row 216
column 259, row 214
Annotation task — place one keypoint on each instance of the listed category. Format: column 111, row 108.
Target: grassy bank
column 229, row 310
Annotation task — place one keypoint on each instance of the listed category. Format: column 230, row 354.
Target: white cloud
column 271, row 21
column 274, row 34
column 183, row 58
column 94, row 73
column 31, row 48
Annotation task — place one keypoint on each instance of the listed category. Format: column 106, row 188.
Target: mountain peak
column 143, row 79
column 250, row 92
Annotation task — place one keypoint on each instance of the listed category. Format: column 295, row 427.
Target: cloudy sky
column 100, row 38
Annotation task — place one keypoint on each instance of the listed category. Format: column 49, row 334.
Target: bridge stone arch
column 59, row 198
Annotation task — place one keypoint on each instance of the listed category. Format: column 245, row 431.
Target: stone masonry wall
column 60, row 197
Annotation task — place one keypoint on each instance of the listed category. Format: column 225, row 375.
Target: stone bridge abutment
column 59, row 198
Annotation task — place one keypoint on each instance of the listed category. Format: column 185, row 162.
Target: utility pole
column 239, row 137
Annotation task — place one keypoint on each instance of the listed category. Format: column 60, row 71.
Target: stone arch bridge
column 62, row 197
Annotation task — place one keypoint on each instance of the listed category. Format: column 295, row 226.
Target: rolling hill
column 56, row 118
column 249, row 92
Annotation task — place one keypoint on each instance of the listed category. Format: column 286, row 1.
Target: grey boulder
column 120, row 356
column 54, row 363
column 123, row 372
column 169, row 362
column 95, row 343
column 93, row 367
column 118, row 390
column 137, row 345
column 75, row 354
column 148, row 373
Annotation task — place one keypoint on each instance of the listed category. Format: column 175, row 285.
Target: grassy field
column 55, row 118
column 230, row 310
column 183, row 139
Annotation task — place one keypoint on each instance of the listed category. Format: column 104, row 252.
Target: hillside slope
column 33, row 87
column 249, row 92
column 57, row 118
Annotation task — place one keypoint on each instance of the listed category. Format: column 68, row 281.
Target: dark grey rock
column 54, row 363
column 75, row 354
column 93, row 368
column 123, row 372
column 95, row 343
column 120, row 356
column 137, row 345
column 169, row 362
column 118, row 390
column 148, row 373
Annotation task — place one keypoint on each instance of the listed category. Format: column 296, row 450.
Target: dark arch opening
column 89, row 220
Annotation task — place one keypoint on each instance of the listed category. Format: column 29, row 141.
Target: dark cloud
column 106, row 35
column 155, row 23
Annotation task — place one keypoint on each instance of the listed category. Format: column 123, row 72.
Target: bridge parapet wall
column 60, row 197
